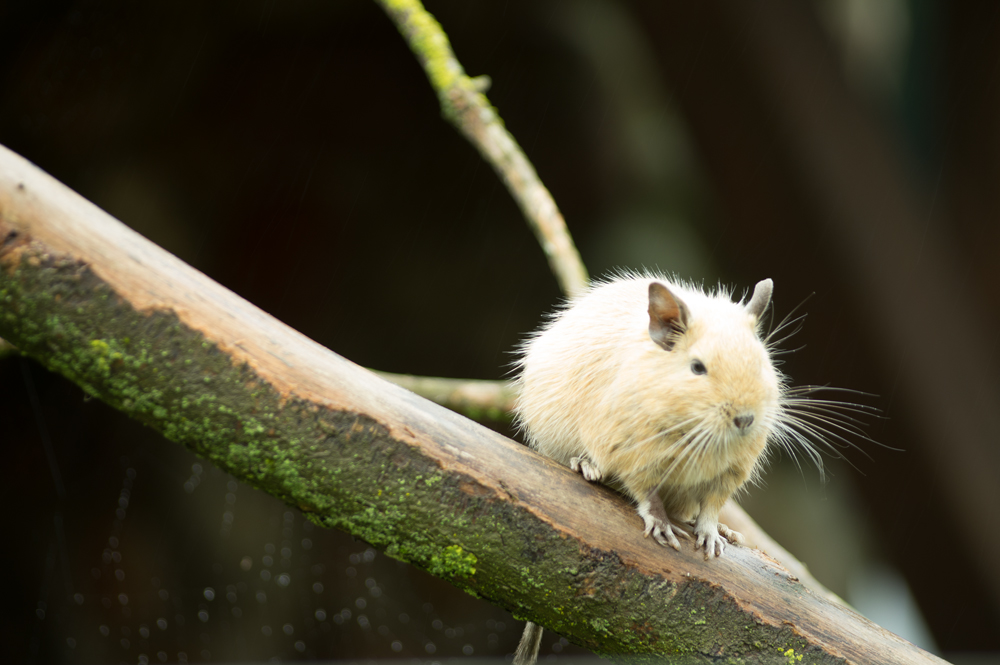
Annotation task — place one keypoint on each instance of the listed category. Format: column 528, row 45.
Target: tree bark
column 141, row 330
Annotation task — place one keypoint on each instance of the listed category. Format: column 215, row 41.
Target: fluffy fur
column 597, row 393
column 669, row 394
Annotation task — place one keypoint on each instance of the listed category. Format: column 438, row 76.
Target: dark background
column 295, row 152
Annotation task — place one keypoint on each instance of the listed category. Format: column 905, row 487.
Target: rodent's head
column 711, row 359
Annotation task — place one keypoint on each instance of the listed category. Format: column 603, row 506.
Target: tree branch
column 464, row 105
column 476, row 399
column 138, row 328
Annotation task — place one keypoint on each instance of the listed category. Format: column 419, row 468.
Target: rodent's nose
column 743, row 421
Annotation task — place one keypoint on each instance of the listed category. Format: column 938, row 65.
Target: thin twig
column 479, row 400
column 6, row 348
column 465, row 106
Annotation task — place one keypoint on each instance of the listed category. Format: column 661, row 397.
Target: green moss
column 453, row 562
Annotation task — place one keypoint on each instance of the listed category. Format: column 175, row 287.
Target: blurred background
column 295, row 152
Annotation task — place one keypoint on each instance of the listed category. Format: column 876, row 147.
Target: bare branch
column 465, row 106
column 476, row 399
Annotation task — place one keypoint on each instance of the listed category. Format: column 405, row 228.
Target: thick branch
column 465, row 106
column 148, row 334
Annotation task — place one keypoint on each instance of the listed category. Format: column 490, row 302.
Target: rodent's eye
column 698, row 367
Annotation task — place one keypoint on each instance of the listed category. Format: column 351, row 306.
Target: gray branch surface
column 136, row 327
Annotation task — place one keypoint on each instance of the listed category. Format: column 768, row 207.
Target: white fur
column 597, row 392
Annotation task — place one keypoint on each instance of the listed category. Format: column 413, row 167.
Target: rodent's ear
column 668, row 316
column 761, row 298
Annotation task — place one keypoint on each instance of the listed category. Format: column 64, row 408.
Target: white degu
column 658, row 389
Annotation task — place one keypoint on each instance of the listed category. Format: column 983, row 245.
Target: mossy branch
column 464, row 104
column 151, row 336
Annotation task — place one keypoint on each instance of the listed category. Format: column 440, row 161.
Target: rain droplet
column 123, row 599
column 78, row 597
column 164, row 594
column 209, row 593
column 467, row 649
column 430, row 648
column 246, row 563
column 237, row 612
column 437, row 624
column 265, row 575
column 320, row 614
column 104, row 631
column 125, row 643
column 120, row 574
column 144, row 632
column 361, row 603
column 161, row 623
column 307, row 544
column 267, row 561
column 318, row 587
column 404, row 618
column 397, row 646
column 203, row 615
column 300, row 646
column 231, row 486
column 162, row 655
column 288, row 628
column 261, row 597
column 266, row 630
column 231, row 597
column 284, row 579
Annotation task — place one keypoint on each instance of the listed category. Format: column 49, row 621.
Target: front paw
column 588, row 469
column 710, row 540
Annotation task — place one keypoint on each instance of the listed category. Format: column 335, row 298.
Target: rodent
column 659, row 389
